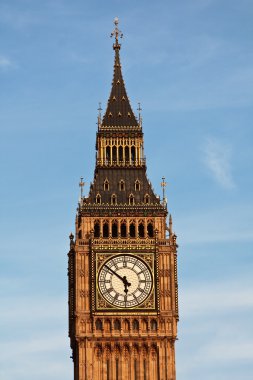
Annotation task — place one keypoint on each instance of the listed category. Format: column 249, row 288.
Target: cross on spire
column 116, row 33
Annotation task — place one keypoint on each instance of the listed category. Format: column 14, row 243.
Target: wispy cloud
column 217, row 157
column 5, row 63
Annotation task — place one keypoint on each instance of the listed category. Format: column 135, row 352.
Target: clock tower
column 123, row 299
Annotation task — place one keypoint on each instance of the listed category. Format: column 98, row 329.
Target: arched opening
column 133, row 154
column 131, row 199
column 117, row 325
column 144, row 325
column 135, row 325
column 80, row 234
column 107, row 325
column 99, row 325
column 150, row 230
column 106, row 185
column 114, row 153
column 153, row 325
column 106, row 230
column 137, row 185
column 121, row 185
column 141, row 230
column 121, row 153
column 146, row 199
column 108, row 154
column 126, row 325
column 98, row 199
column 132, row 229
column 114, row 229
column 123, row 230
column 113, row 199
column 127, row 154
column 97, row 229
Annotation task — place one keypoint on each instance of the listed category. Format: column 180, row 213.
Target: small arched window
column 98, row 199
column 113, row 199
column 131, row 199
column 122, row 185
column 107, row 326
column 137, row 185
column 106, row 184
column 80, row 234
column 147, row 199
column 126, row 325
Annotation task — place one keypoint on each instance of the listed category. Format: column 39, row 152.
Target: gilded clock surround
column 122, row 215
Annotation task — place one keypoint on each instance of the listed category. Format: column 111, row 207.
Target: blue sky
column 190, row 64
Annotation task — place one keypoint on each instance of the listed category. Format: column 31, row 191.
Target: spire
column 118, row 112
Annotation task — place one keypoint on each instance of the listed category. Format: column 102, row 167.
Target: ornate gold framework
column 150, row 304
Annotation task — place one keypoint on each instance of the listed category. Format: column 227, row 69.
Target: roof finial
column 139, row 109
column 117, row 33
column 81, row 184
column 163, row 184
column 99, row 113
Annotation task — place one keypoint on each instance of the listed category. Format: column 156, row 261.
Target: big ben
column 123, row 292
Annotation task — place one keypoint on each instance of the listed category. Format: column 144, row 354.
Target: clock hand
column 123, row 279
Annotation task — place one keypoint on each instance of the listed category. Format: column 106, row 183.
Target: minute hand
column 116, row 274
column 123, row 279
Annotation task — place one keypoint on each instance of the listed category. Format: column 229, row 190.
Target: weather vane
column 117, row 33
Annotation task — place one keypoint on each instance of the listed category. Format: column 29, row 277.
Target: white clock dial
column 125, row 281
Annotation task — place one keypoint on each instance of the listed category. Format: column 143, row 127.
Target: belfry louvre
column 123, row 292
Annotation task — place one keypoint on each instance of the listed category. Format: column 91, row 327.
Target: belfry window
column 132, row 229
column 133, row 154
column 114, row 229
column 96, row 229
column 108, row 154
column 120, row 153
column 98, row 199
column 106, row 185
column 123, row 230
column 106, row 230
column 137, row 185
column 127, row 154
column 141, row 229
column 114, row 153
column 150, row 230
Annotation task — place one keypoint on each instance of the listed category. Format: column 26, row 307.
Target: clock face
column 125, row 281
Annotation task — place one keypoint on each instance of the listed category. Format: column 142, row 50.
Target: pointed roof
column 118, row 112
